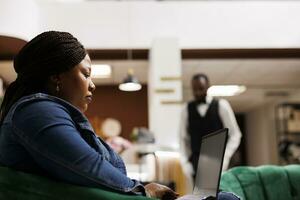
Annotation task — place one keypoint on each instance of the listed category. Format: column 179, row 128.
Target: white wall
column 198, row 24
column 19, row 18
column 165, row 61
column 261, row 142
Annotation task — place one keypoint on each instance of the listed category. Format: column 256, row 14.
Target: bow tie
column 201, row 101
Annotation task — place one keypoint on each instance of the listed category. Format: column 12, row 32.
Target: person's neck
column 201, row 101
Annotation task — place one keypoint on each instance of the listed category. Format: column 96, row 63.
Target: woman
column 43, row 129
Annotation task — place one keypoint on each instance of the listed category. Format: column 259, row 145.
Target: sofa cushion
column 249, row 182
column 294, row 179
column 263, row 183
column 16, row 185
column 231, row 183
column 275, row 182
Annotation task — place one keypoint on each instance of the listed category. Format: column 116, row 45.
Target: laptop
column 209, row 166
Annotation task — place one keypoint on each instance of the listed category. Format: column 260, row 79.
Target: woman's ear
column 54, row 84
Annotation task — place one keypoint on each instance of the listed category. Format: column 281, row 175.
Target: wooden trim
column 171, row 78
column 240, row 53
column 164, row 90
column 118, row 54
column 143, row 54
column 10, row 46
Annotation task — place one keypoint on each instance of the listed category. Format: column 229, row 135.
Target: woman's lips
column 89, row 99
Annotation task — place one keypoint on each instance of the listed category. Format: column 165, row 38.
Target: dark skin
column 160, row 191
column 200, row 87
column 77, row 87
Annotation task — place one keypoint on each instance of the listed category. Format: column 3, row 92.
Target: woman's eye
column 87, row 75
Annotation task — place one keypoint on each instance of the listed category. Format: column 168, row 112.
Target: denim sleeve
column 49, row 134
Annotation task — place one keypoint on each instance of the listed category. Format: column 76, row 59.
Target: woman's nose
column 92, row 86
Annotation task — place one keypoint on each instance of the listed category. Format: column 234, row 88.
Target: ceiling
column 266, row 79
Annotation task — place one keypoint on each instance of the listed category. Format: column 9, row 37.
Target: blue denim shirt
column 46, row 135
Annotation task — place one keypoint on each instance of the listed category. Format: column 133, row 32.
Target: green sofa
column 15, row 185
column 263, row 183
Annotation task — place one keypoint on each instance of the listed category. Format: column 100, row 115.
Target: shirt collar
column 209, row 99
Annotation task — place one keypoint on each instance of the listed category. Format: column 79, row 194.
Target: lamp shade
column 226, row 90
column 130, row 84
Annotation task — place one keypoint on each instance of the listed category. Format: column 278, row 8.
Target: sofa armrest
column 18, row 185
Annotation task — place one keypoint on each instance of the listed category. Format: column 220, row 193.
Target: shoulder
column 39, row 102
column 223, row 102
column 38, row 105
column 38, row 112
column 224, row 105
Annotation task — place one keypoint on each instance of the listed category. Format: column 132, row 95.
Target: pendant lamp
column 130, row 83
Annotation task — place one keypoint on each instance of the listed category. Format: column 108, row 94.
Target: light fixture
column 226, row 90
column 101, row 71
column 130, row 83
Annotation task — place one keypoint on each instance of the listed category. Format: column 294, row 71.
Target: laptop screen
column 210, row 162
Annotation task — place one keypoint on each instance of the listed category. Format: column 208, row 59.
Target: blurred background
column 162, row 44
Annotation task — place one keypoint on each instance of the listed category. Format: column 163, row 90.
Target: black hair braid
column 47, row 54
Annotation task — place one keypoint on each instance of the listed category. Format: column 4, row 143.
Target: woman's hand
column 160, row 191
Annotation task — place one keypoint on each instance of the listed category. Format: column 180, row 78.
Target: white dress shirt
column 228, row 119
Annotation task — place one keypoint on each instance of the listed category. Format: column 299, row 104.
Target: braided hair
column 47, row 54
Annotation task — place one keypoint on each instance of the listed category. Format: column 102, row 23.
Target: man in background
column 202, row 116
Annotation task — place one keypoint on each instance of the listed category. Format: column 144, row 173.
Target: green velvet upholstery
column 15, row 185
column 266, row 182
